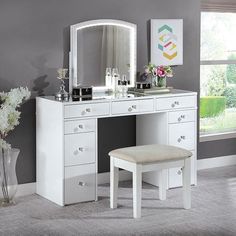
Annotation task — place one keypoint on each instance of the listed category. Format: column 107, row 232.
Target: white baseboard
column 216, row 162
column 26, row 189
column 103, row 178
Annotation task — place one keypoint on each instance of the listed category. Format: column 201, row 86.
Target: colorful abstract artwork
column 167, row 42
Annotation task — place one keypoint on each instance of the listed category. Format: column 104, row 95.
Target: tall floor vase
column 8, row 179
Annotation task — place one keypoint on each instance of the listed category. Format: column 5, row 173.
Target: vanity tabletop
column 103, row 97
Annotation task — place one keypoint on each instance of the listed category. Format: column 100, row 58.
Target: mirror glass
column 101, row 44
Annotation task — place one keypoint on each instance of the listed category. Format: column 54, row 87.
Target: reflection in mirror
column 98, row 45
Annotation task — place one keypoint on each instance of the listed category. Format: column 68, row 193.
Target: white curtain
column 218, row 5
column 115, row 49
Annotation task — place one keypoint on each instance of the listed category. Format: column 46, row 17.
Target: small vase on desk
column 161, row 82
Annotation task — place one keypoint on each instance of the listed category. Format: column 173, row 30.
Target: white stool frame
column 138, row 169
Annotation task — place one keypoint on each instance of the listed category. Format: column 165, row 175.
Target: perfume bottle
column 108, row 78
column 115, row 80
column 124, row 84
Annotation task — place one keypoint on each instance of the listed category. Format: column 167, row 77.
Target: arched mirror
column 100, row 44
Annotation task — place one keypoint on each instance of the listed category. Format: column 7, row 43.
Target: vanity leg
column 137, row 191
column 162, row 178
column 187, row 183
column 114, row 179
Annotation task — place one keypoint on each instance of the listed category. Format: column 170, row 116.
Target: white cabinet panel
column 85, row 110
column 173, row 103
column 181, row 116
column 79, row 126
column 80, row 148
column 80, row 183
column 182, row 135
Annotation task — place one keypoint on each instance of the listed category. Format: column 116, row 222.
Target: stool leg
column 162, row 179
column 187, row 183
column 114, row 179
column 137, row 191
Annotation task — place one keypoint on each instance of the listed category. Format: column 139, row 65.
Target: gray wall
column 34, row 41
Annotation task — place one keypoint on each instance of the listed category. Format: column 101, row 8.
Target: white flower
column 9, row 119
column 4, row 144
column 15, row 97
column 9, row 115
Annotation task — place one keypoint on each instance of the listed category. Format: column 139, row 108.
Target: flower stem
column 4, row 184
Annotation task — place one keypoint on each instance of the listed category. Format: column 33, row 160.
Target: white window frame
column 220, row 135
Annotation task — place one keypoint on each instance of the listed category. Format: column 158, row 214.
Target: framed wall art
column 167, row 41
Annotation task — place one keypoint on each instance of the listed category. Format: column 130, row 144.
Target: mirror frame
column 73, row 50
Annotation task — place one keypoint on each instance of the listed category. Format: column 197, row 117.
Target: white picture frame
column 166, row 42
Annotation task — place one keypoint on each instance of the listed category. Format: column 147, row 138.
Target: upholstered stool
column 146, row 158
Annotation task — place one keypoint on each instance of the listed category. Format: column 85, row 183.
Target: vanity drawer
column 182, row 135
column 181, row 116
column 80, row 183
column 98, row 109
column 175, row 102
column 79, row 126
column 80, row 148
column 176, row 174
column 136, row 106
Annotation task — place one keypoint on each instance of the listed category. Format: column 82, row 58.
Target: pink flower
column 161, row 71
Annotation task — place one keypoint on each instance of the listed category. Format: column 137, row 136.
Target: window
column 218, row 73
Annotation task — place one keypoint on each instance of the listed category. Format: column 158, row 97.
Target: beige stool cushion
column 150, row 153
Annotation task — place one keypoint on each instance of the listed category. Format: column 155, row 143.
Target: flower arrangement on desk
column 9, row 119
column 158, row 74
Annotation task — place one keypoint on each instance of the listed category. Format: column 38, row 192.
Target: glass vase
column 8, row 179
column 154, row 81
column 161, row 82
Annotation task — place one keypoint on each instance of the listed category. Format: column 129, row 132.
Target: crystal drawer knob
column 76, row 152
column 134, row 106
column 80, row 126
column 181, row 117
column 81, row 149
column 179, row 172
column 130, row 109
column 88, row 110
column 82, row 183
column 181, row 138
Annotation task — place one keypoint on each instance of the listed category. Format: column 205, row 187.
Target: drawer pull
column 82, row 183
column 87, row 110
column 179, row 172
column 133, row 107
column 174, row 104
column 76, row 152
column 80, row 149
column 181, row 138
column 181, row 117
column 80, row 126
column 76, row 129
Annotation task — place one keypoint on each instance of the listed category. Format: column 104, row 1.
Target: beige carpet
column 213, row 212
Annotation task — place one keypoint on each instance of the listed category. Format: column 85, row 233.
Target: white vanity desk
column 67, row 139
